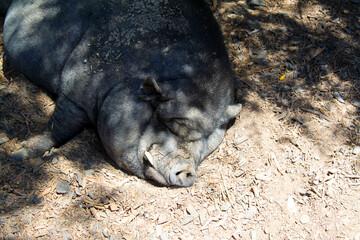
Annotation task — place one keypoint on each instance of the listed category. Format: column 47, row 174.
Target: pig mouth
column 176, row 172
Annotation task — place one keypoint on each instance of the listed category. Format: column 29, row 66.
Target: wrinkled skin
column 153, row 77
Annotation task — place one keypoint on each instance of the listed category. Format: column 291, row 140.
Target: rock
column 70, row 197
column 338, row 97
column 257, row 3
column 356, row 150
column 356, row 103
column 304, row 219
column 62, row 187
column 79, row 179
column 187, row 219
column 55, row 160
column 4, row 140
column 91, row 195
column 89, row 172
column 20, row 155
column 259, row 56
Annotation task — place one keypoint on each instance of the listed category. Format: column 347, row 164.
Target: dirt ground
column 288, row 168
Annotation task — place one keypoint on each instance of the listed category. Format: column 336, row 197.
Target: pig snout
column 182, row 174
column 177, row 173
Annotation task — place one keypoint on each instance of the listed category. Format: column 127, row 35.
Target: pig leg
column 66, row 122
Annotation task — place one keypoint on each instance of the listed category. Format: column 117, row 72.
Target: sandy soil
column 287, row 169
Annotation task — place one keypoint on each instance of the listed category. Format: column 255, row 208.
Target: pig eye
column 183, row 128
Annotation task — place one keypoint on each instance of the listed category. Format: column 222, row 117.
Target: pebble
column 55, row 160
column 4, row 140
column 338, row 97
column 78, row 191
column 187, row 219
column 356, row 103
column 257, row 3
column 79, row 179
column 304, row 219
column 19, row 155
column 259, row 56
column 89, row 172
column 91, row 195
column 356, row 150
column 62, row 187
column 70, row 197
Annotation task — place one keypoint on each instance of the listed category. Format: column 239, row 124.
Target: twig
column 317, row 113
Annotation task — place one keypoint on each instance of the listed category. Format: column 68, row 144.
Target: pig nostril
column 182, row 175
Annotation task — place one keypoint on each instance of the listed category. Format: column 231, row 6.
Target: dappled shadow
column 310, row 55
column 316, row 60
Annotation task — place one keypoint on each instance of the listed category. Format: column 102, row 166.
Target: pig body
column 153, row 77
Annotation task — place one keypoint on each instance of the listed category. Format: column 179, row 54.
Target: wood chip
column 187, row 219
column 95, row 213
column 114, row 207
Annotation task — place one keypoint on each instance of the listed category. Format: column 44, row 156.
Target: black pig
column 153, row 77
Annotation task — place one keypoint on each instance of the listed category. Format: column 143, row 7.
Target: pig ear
column 232, row 111
column 150, row 86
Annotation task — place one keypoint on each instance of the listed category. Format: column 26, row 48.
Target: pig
column 153, row 77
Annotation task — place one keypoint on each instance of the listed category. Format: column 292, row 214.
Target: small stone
column 62, row 187
column 20, row 155
column 70, row 198
column 79, row 179
column 89, row 172
column 225, row 207
column 91, row 195
column 338, row 97
column 304, row 219
column 257, row 3
column 4, row 140
column 78, row 191
column 187, row 219
column 356, row 103
column 356, row 150
column 55, row 160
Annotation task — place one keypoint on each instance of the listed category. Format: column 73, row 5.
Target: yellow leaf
column 282, row 77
